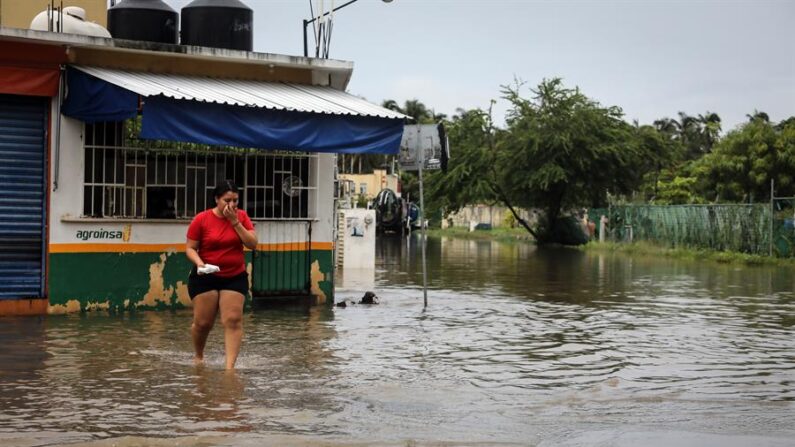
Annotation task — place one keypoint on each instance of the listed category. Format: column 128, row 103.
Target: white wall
column 322, row 230
column 359, row 250
column 494, row 215
column 66, row 202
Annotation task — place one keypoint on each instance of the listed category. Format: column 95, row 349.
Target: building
column 369, row 185
column 489, row 216
column 19, row 13
column 109, row 147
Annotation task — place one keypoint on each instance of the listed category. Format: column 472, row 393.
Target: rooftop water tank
column 74, row 22
column 219, row 24
column 147, row 20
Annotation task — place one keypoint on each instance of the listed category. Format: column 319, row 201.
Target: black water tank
column 148, row 20
column 219, row 24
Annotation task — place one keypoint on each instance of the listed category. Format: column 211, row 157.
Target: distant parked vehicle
column 388, row 212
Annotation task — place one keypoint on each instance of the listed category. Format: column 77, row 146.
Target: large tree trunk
column 552, row 216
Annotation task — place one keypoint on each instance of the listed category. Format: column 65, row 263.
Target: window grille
column 127, row 177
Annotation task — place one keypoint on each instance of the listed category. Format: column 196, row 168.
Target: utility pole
column 422, row 234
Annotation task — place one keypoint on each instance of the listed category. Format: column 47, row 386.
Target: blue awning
column 263, row 115
column 92, row 100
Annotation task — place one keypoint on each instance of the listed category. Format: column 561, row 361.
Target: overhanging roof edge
column 159, row 49
column 259, row 94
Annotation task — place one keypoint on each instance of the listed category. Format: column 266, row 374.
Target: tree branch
column 504, row 199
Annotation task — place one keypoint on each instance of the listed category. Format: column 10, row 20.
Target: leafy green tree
column 678, row 188
column 560, row 151
column 741, row 166
column 664, row 152
column 563, row 150
column 470, row 178
column 784, row 123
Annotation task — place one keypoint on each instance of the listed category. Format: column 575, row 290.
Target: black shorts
column 198, row 284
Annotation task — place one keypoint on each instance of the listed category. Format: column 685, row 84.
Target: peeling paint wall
column 157, row 290
column 126, row 281
column 117, row 281
column 317, row 277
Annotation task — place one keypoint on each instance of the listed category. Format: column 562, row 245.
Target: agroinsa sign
column 122, row 235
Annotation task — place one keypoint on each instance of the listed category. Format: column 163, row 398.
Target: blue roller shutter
column 22, row 188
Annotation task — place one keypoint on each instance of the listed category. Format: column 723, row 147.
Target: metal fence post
column 423, row 233
column 772, row 213
column 610, row 219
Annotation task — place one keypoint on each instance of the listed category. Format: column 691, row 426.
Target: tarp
column 164, row 118
column 92, row 100
column 221, row 125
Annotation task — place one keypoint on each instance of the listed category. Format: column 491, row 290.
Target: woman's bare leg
column 205, row 308
column 231, row 305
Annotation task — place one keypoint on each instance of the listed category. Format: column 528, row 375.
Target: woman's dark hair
column 225, row 187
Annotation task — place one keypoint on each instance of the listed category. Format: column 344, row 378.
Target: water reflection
column 519, row 344
column 215, row 401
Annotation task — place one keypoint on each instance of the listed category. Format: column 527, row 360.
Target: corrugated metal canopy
column 220, row 112
column 268, row 95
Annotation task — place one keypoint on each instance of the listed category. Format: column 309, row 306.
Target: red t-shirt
column 219, row 243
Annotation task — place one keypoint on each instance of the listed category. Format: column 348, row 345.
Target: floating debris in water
column 369, row 298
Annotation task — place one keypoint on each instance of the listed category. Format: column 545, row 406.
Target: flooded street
column 519, row 346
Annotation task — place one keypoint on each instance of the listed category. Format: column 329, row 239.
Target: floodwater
column 519, row 346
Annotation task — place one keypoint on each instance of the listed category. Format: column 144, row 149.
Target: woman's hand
column 192, row 251
column 247, row 237
column 230, row 214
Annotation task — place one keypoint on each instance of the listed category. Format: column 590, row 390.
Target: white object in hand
column 207, row 269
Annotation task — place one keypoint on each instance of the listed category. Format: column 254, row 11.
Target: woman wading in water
column 215, row 239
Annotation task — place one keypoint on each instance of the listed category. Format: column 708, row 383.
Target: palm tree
column 690, row 135
column 417, row 110
column 668, row 127
column 757, row 115
column 710, row 129
column 391, row 104
column 439, row 117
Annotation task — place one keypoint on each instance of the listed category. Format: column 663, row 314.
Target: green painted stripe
column 159, row 280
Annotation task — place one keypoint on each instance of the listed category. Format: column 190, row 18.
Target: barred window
column 133, row 178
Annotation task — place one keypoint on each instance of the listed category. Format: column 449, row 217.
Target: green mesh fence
column 734, row 227
column 784, row 227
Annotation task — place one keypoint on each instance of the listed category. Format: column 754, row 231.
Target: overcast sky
column 651, row 58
